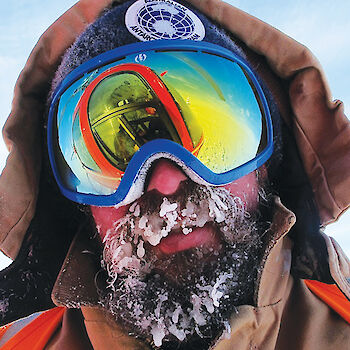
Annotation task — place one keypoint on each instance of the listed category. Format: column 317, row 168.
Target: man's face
column 182, row 255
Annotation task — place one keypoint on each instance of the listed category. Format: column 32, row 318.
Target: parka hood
column 318, row 124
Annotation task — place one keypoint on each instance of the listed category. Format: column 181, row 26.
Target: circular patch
column 163, row 19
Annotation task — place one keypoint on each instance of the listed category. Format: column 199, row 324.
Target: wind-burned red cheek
column 246, row 188
column 105, row 217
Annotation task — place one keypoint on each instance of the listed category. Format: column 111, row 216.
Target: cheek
column 247, row 189
column 105, row 217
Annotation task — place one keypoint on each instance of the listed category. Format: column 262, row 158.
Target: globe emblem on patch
column 163, row 19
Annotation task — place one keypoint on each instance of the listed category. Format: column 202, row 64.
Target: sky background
column 321, row 25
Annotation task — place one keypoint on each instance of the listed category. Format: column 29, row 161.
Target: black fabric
column 310, row 257
column 290, row 182
column 26, row 285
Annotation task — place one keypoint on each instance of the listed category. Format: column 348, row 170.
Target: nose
column 165, row 177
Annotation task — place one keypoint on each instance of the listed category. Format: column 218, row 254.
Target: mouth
column 195, row 237
column 175, row 227
column 156, row 227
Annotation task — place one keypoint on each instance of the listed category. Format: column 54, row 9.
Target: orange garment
column 37, row 333
column 3, row 330
column 332, row 296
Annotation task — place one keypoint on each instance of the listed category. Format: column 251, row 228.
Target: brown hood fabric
column 20, row 178
column 285, row 314
column 320, row 128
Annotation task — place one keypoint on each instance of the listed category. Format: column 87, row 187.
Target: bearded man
column 170, row 146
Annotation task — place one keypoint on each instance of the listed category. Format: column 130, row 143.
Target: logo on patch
column 163, row 19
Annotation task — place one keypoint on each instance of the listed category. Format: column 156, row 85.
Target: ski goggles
column 193, row 102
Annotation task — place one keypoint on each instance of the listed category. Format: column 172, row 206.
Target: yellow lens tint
column 218, row 104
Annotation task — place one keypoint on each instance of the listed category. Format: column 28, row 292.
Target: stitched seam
column 318, row 160
column 16, row 224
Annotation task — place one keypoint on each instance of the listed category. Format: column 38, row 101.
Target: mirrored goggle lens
column 205, row 102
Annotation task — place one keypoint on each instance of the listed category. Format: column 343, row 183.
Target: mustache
column 153, row 216
column 194, row 205
column 151, row 201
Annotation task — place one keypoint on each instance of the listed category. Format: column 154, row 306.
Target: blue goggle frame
column 160, row 145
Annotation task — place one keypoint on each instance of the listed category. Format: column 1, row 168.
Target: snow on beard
column 151, row 304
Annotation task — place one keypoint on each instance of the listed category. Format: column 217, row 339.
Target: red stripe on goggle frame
column 161, row 92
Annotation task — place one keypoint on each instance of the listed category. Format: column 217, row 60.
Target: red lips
column 177, row 241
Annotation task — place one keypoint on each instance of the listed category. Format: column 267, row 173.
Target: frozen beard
column 183, row 299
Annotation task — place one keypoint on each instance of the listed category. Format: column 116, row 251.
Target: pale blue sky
column 321, row 25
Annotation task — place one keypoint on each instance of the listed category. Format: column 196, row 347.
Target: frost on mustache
column 124, row 245
column 125, row 258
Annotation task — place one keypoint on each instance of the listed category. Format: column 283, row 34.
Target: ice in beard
column 124, row 245
column 152, row 303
